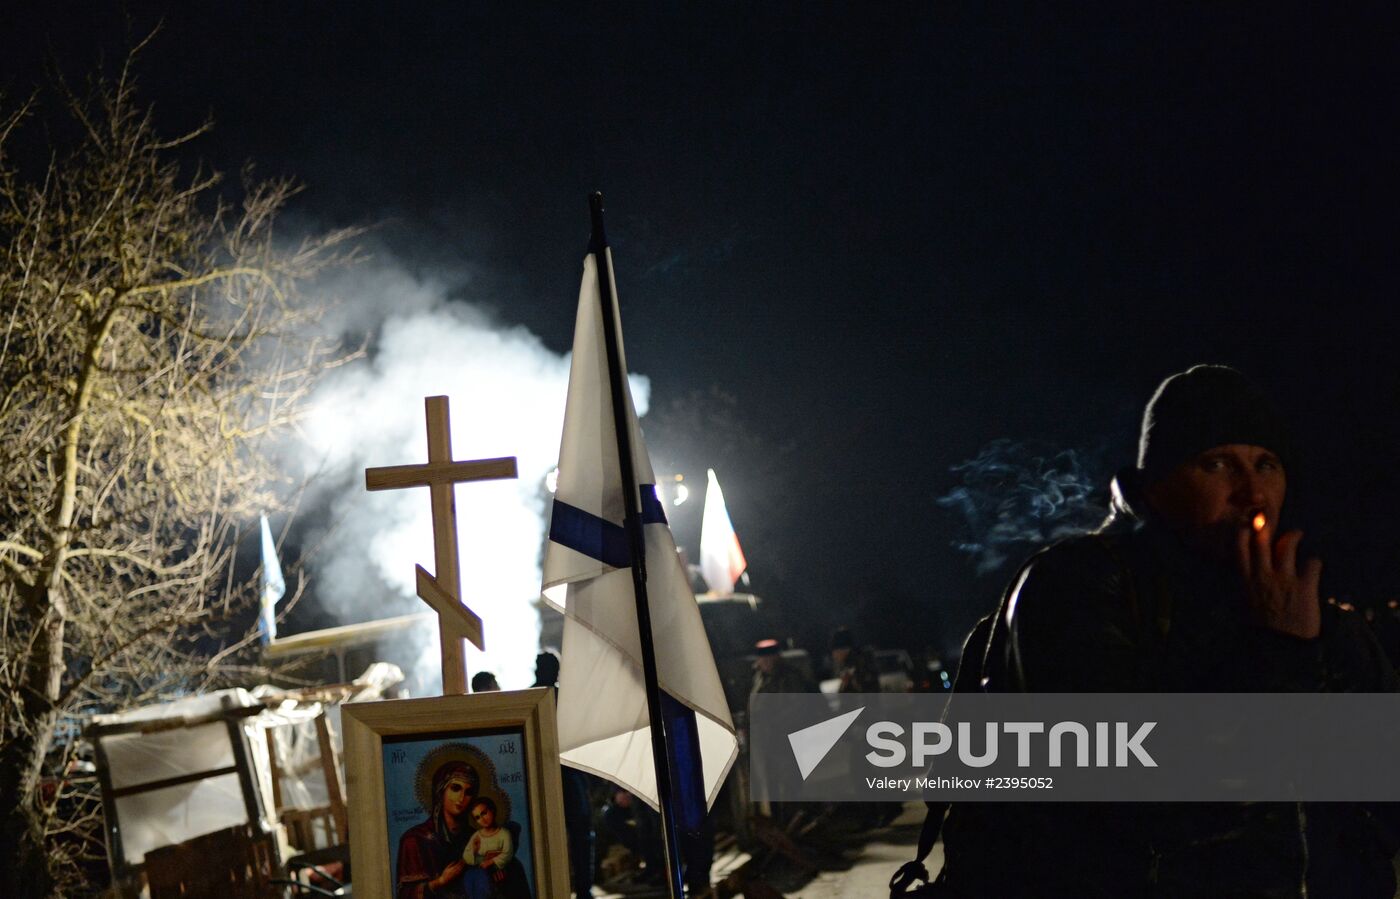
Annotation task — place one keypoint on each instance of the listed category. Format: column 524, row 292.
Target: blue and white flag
column 604, row 727
column 273, row 586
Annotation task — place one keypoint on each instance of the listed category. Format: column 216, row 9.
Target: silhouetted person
column 629, row 821
column 852, row 664
column 578, row 808
column 773, row 673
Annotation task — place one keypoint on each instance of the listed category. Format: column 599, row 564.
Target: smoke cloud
column 1017, row 495
column 507, row 392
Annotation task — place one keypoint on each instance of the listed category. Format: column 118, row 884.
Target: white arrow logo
column 811, row 744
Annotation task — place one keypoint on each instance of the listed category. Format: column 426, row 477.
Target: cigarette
column 1259, row 522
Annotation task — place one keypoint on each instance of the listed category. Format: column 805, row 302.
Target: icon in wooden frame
column 456, row 796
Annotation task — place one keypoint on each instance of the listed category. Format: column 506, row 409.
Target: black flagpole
column 637, row 541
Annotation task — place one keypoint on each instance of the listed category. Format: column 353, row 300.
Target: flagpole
column 598, row 245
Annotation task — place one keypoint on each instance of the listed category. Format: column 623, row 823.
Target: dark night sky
column 892, row 235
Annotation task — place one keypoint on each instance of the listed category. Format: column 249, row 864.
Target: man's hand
column 449, row 874
column 1281, row 598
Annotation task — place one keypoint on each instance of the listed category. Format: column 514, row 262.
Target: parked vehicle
column 896, row 670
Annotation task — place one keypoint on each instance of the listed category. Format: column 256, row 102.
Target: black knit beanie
column 1202, row 407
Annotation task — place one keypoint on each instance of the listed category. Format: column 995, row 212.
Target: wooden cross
column 442, row 590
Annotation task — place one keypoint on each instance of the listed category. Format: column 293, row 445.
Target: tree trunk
column 23, row 855
column 22, row 818
column 23, row 849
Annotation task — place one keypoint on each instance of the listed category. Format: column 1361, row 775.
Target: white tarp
column 150, row 820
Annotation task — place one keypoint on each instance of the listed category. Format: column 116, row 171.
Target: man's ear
column 1161, row 500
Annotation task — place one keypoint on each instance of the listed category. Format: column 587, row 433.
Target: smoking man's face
column 1211, row 498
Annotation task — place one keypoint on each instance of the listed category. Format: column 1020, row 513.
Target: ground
column 839, row 852
column 872, row 864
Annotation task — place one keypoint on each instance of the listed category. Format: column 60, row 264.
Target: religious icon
column 456, row 797
column 464, row 842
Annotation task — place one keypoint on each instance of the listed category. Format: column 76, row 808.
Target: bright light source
column 508, row 394
column 682, row 494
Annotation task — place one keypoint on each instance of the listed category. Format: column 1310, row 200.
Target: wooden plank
column 276, row 770
column 174, row 722
column 116, row 853
column 364, row 788
column 727, row 863
column 549, row 801
column 243, row 763
column 465, row 623
column 445, row 571
column 729, row 876
column 335, row 793
column 437, row 473
column 343, row 635
column 150, row 785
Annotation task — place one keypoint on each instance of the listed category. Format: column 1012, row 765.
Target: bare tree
column 152, row 344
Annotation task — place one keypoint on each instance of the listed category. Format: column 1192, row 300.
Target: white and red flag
column 721, row 559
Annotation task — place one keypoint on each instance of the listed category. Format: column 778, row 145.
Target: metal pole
column 637, row 541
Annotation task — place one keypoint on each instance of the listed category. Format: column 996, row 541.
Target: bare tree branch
column 155, row 343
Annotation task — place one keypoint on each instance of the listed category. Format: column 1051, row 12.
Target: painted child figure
column 491, row 845
column 494, row 871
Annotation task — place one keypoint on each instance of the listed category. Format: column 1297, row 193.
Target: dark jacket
column 859, row 674
column 785, row 678
column 1128, row 609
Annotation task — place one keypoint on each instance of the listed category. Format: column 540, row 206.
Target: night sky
column 867, row 241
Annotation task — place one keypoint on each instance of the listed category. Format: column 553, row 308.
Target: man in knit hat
column 1189, row 586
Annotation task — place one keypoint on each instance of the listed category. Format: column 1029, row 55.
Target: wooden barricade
column 235, row 863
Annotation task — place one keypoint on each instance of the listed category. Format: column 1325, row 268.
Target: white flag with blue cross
column 604, row 726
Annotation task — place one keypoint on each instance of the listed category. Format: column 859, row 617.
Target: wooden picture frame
column 402, row 756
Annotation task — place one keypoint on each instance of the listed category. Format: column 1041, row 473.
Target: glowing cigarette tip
column 1259, row 522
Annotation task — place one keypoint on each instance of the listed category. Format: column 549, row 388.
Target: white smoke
column 507, row 393
column 1015, row 495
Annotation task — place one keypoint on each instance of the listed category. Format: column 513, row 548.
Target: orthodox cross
column 442, row 589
